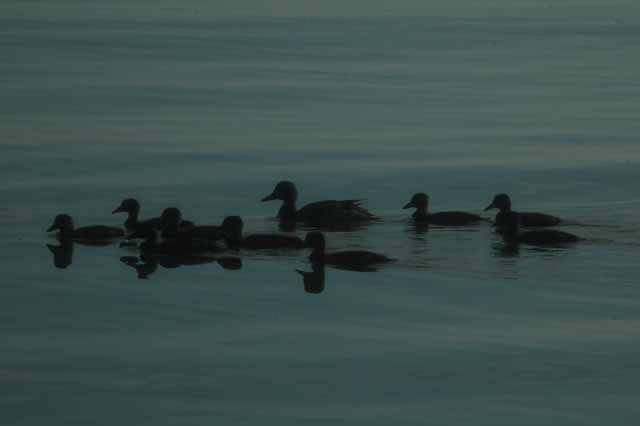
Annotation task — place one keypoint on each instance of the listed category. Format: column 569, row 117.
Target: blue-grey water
column 207, row 111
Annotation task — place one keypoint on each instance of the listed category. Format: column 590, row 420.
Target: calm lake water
column 208, row 113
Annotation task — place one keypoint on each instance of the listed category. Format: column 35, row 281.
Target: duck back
column 547, row 237
column 538, row 220
column 97, row 232
column 334, row 211
column 271, row 241
column 453, row 218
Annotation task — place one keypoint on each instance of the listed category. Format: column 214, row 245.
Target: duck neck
column 288, row 210
column 421, row 213
column 317, row 255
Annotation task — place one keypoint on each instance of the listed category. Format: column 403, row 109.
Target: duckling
column 353, row 259
column 507, row 225
column 64, row 223
column 321, row 212
column 131, row 206
column 420, row 201
column 502, row 202
column 232, row 228
column 171, row 225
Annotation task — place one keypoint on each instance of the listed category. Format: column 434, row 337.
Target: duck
column 508, row 226
column 170, row 239
column 352, row 259
column 502, row 202
column 420, row 202
column 320, row 212
column 66, row 230
column 171, row 226
column 131, row 206
column 232, row 228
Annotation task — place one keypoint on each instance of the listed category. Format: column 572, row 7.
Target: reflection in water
column 147, row 264
column 314, row 280
column 62, row 253
column 292, row 226
column 417, row 227
column 143, row 269
column 505, row 249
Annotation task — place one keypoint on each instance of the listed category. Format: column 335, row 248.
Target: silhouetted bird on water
column 420, row 202
column 131, row 206
column 319, row 213
column 173, row 241
column 508, row 223
column 353, row 259
column 64, row 224
column 502, row 202
column 232, row 229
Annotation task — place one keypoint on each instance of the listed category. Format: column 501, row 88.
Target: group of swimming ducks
column 171, row 235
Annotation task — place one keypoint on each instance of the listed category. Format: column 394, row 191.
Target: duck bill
column 489, row 207
column 270, row 197
column 52, row 228
column 409, row 205
column 118, row 210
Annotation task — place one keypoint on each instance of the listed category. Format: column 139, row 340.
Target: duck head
column 63, row 222
column 418, row 201
column 501, row 202
column 170, row 220
column 232, row 227
column 129, row 205
column 285, row 191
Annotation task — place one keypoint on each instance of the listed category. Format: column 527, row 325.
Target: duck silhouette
column 359, row 260
column 131, row 206
column 63, row 223
column 420, row 202
column 232, row 227
column 318, row 213
column 502, row 202
column 508, row 226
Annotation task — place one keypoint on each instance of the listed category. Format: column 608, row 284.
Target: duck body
column 547, row 237
column 351, row 259
column 507, row 225
column 66, row 230
column 538, row 220
column 502, row 202
column 420, row 202
column 131, row 206
column 449, row 218
column 317, row 213
column 232, row 227
column 271, row 241
column 170, row 239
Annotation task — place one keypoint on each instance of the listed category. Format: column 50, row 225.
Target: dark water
column 208, row 114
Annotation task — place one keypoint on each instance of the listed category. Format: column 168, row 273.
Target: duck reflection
column 314, row 280
column 147, row 264
column 62, row 253
column 505, row 249
column 417, row 227
column 292, row 226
